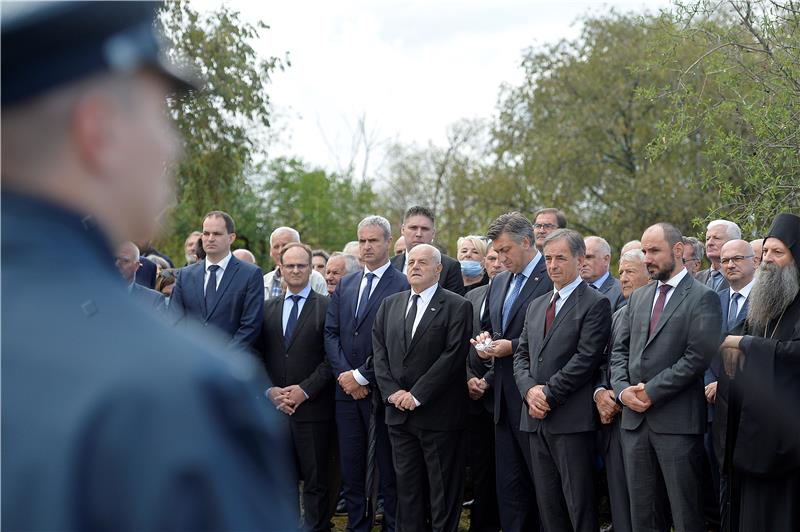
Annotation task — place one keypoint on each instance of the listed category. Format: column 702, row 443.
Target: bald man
column 245, row 255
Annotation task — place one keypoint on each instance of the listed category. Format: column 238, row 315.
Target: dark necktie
column 410, row 318
column 593, row 286
column 659, row 308
column 362, row 303
column 211, row 286
column 292, row 321
column 518, row 280
column 733, row 310
column 550, row 314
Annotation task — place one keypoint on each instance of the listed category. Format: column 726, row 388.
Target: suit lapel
column 433, row 308
column 681, row 291
column 527, row 290
column 607, row 284
column 276, row 320
column 565, row 309
column 379, row 289
column 195, row 283
column 309, row 307
column 496, row 310
column 227, row 277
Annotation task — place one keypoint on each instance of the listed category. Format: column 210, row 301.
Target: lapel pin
column 433, row 309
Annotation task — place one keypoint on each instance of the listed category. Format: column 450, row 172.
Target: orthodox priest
column 761, row 451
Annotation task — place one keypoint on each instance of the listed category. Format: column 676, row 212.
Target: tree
column 750, row 51
column 575, row 134
column 222, row 124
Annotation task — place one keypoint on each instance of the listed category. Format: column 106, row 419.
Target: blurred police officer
column 98, row 433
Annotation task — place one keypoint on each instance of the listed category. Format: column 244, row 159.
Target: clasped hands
column 499, row 348
column 607, row 406
column 537, row 402
column 403, row 400
column 286, row 399
column 635, row 398
column 350, row 385
column 476, row 388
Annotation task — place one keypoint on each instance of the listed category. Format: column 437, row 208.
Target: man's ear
column 232, row 237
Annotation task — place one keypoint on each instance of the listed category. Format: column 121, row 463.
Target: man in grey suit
column 718, row 232
column 595, row 271
column 661, row 350
column 562, row 343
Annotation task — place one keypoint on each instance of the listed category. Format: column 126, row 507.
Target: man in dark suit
column 717, row 233
column 146, row 273
column 292, row 346
column 348, row 343
column 738, row 266
column 99, row 433
column 632, row 275
column 661, row 350
column 559, row 350
column 483, row 513
column 418, row 228
column 421, row 338
column 595, row 271
column 221, row 291
column 127, row 262
column 508, row 299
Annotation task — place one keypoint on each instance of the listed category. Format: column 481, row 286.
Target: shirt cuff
column 416, row 403
column 304, row 392
column 359, row 378
column 596, row 391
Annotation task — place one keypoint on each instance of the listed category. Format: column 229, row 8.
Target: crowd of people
column 522, row 364
column 388, row 377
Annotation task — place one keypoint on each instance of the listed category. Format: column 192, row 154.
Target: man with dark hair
column 762, row 442
column 545, row 221
column 508, row 298
column 418, row 228
column 221, row 291
column 292, row 347
column 560, row 348
column 661, row 350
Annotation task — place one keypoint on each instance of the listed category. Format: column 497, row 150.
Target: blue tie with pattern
column 733, row 310
column 362, row 303
column 519, row 279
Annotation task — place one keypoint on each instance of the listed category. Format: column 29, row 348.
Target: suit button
column 540, row 359
column 355, row 333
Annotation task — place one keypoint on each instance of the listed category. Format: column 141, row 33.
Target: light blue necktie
column 519, row 279
column 733, row 310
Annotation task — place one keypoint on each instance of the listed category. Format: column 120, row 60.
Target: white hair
column 279, row 230
column 634, row 255
column 734, row 233
column 350, row 261
column 437, row 255
column 605, row 248
column 380, row 221
column 133, row 247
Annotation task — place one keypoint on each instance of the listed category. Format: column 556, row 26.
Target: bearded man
column 761, row 456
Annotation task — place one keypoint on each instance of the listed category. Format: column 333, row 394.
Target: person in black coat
column 292, row 347
column 418, row 228
column 420, row 339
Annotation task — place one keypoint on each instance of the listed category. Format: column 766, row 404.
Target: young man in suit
column 670, row 334
column 348, row 343
column 509, row 295
column 292, row 347
column 561, row 346
column 418, row 228
column 595, row 271
column 421, row 338
column 221, row 291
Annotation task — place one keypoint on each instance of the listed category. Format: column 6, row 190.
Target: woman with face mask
column 472, row 254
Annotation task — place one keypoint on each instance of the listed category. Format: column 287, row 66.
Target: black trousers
column 435, row 458
column 516, row 496
column 312, row 449
column 656, row 464
column 563, row 470
column 484, row 516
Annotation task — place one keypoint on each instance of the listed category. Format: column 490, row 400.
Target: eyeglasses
column 544, row 226
column 686, row 261
column 737, row 259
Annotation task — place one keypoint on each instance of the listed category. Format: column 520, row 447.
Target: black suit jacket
column 431, row 367
column 475, row 366
column 237, row 312
column 304, row 362
column 564, row 360
column 146, row 274
column 450, row 277
column 504, row 385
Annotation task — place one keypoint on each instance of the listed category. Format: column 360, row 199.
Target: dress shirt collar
column 304, row 293
column 223, row 264
column 528, row 270
column 426, row 295
column 745, row 291
column 675, row 280
column 599, row 282
column 566, row 291
column 379, row 271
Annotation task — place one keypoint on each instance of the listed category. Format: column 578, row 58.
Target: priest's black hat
column 786, row 228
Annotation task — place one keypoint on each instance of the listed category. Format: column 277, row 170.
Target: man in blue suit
column 221, row 291
column 98, row 433
column 738, row 266
column 348, row 343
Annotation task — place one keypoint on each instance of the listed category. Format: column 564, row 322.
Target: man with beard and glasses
column 762, row 434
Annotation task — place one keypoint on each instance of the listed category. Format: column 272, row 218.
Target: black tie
column 410, row 318
column 211, row 286
column 362, row 304
column 291, row 322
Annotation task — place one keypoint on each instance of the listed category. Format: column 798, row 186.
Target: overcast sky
column 410, row 68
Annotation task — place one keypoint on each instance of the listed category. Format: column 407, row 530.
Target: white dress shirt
column 744, row 292
column 378, row 274
column 223, row 265
column 422, row 304
column 598, row 283
column 565, row 292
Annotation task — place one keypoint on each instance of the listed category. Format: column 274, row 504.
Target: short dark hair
column 671, row 233
column 513, row 223
column 291, row 245
column 561, row 218
column 229, row 225
column 320, row 253
column 573, row 238
column 418, row 210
